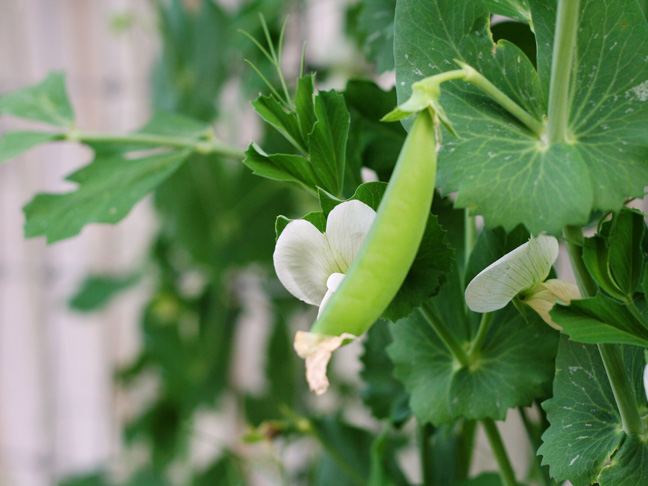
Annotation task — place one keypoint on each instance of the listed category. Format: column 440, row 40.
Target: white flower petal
column 317, row 349
column 544, row 296
column 645, row 380
column 332, row 283
column 519, row 270
column 303, row 261
column 346, row 228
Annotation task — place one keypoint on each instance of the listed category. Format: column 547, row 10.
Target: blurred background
column 142, row 354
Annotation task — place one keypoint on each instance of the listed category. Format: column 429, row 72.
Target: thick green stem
column 503, row 461
column 207, row 146
column 623, row 395
column 561, row 69
column 477, row 343
column 610, row 355
column 574, row 239
column 448, row 339
column 475, row 77
column 425, row 432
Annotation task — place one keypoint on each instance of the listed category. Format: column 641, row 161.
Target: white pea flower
column 520, row 274
column 311, row 265
column 645, row 380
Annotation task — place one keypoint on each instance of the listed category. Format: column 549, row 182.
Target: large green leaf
column 514, row 367
column 586, row 428
column 108, row 189
column 516, row 9
column 600, row 319
column 45, row 102
column 377, row 21
column 546, row 187
column 13, row 144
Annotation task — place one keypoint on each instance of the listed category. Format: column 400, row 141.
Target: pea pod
column 389, row 249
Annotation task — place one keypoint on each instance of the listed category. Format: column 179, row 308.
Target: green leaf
column 515, row 9
column 316, row 218
column 384, row 394
column 629, row 466
column 97, row 290
column 377, row 21
column 586, row 428
column 283, row 121
column 304, row 100
column 596, row 255
column 514, row 367
column 600, row 319
column 327, row 140
column 280, row 167
column 13, row 144
column 223, row 215
column 108, row 189
column 45, row 102
column 608, row 109
column 317, row 127
column 626, row 255
column 372, row 143
column 546, row 187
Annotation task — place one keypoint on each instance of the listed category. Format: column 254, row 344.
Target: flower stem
column 561, row 69
column 477, row 343
column 610, row 355
column 207, row 146
column 448, row 339
column 475, row 77
column 503, row 461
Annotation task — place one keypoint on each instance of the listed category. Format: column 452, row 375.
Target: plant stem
column 425, row 432
column 535, row 441
column 448, row 339
column 503, row 461
column 574, row 239
column 469, row 235
column 561, row 69
column 475, row 77
column 610, row 355
column 623, row 395
column 477, row 343
column 199, row 146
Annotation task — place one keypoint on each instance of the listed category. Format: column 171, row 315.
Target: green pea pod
column 389, row 249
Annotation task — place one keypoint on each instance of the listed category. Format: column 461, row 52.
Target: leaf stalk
column 497, row 445
column 561, row 70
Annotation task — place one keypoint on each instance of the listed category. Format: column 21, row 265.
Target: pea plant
column 529, row 114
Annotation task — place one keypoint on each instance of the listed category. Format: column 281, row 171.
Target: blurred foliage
column 216, row 227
